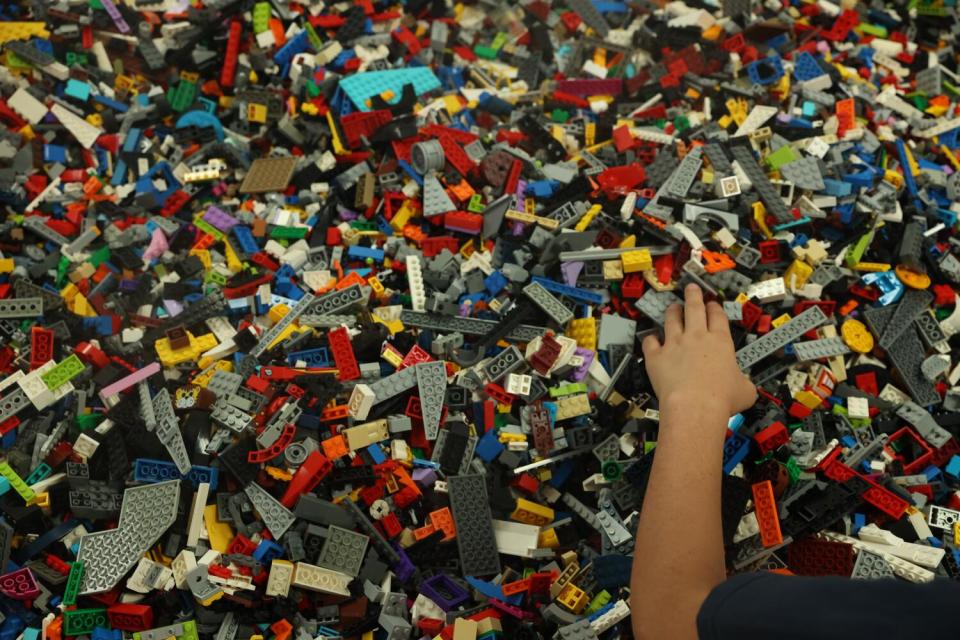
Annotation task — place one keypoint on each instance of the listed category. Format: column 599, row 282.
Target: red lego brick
column 343, row 354
column 363, row 124
column 463, row 222
column 130, row 617
column 41, row 346
column 229, row 69
column 815, row 557
column 772, row 437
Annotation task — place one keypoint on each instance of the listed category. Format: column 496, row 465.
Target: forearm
column 678, row 557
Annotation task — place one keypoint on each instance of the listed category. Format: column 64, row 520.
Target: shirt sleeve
column 767, row 605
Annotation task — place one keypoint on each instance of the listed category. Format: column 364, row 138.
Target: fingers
column 694, row 314
column 650, row 345
column 673, row 323
column 717, row 321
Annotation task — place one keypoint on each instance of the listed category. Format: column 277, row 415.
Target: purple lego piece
column 403, row 567
column 445, row 592
column 571, row 271
column 424, row 477
column 220, row 219
column 581, row 372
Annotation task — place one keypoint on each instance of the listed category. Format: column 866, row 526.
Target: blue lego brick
column 488, row 447
column 267, row 551
column 543, row 188
column 363, row 253
column 147, row 470
column 953, row 467
column 580, row 295
column 495, row 282
column 859, row 521
column 488, row 589
column 248, row 244
column 765, row 71
column 376, row 454
column 297, row 44
column 561, row 473
column 837, row 188
column 410, row 171
column 318, row 357
column 848, row 441
column 54, row 153
column 735, row 449
column 360, row 87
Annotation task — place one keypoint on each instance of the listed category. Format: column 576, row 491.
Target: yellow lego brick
column 505, row 437
column 171, row 357
column 376, row 285
column 530, row 512
column 584, row 331
column 776, row 322
column 589, row 134
column 6, row 265
column 588, row 217
column 808, row 399
column 573, row 598
column 797, row 274
column 956, row 533
column 22, row 31
column 219, row 533
column 638, row 260
column 871, row 266
column 402, row 217
column 548, row 539
column 277, row 312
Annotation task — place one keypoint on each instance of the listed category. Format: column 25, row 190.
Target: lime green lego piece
column 313, row 37
column 783, row 155
column 855, row 254
column 498, row 41
column 599, row 601
column 63, row 372
column 476, row 204
column 567, row 389
column 207, row 228
column 17, row 482
column 261, row 17
column 189, row 632
column 83, row 621
column 873, row 29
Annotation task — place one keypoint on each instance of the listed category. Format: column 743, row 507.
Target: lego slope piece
column 145, row 515
column 432, row 387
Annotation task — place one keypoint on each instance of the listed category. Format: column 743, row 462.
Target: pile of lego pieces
column 323, row 319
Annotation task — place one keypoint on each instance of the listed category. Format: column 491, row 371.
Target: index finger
column 694, row 315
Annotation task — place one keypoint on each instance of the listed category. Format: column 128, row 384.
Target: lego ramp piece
column 432, row 388
column 475, row 537
column 147, row 512
column 361, row 87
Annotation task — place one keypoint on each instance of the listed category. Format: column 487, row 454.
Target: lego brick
column 475, row 538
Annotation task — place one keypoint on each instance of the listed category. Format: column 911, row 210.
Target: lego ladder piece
column 471, row 512
column 145, row 515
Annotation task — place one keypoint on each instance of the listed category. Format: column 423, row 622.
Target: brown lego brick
column 268, row 174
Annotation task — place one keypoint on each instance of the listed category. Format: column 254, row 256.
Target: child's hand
column 696, row 362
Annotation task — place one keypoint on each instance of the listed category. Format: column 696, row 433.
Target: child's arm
column 678, row 557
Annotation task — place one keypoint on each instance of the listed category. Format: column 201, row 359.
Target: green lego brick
column 83, row 621
column 189, row 632
column 63, row 372
column 261, row 17
column 783, row 155
column 16, row 482
column 73, row 583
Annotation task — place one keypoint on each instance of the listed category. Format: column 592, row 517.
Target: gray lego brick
column 871, row 566
column 507, row 361
column 466, row 326
column 784, row 334
column 654, row 304
column 21, row 308
column 823, row 348
column 343, row 550
column 548, row 303
column 271, row 334
column 929, row 329
column 768, row 193
column 336, row 300
column 475, row 539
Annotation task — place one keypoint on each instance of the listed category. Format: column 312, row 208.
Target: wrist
column 692, row 409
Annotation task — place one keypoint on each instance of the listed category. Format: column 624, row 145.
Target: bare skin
column 678, row 558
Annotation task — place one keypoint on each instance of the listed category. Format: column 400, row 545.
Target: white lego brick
column 196, row 513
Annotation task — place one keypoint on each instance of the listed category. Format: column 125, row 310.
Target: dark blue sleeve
column 765, row 605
